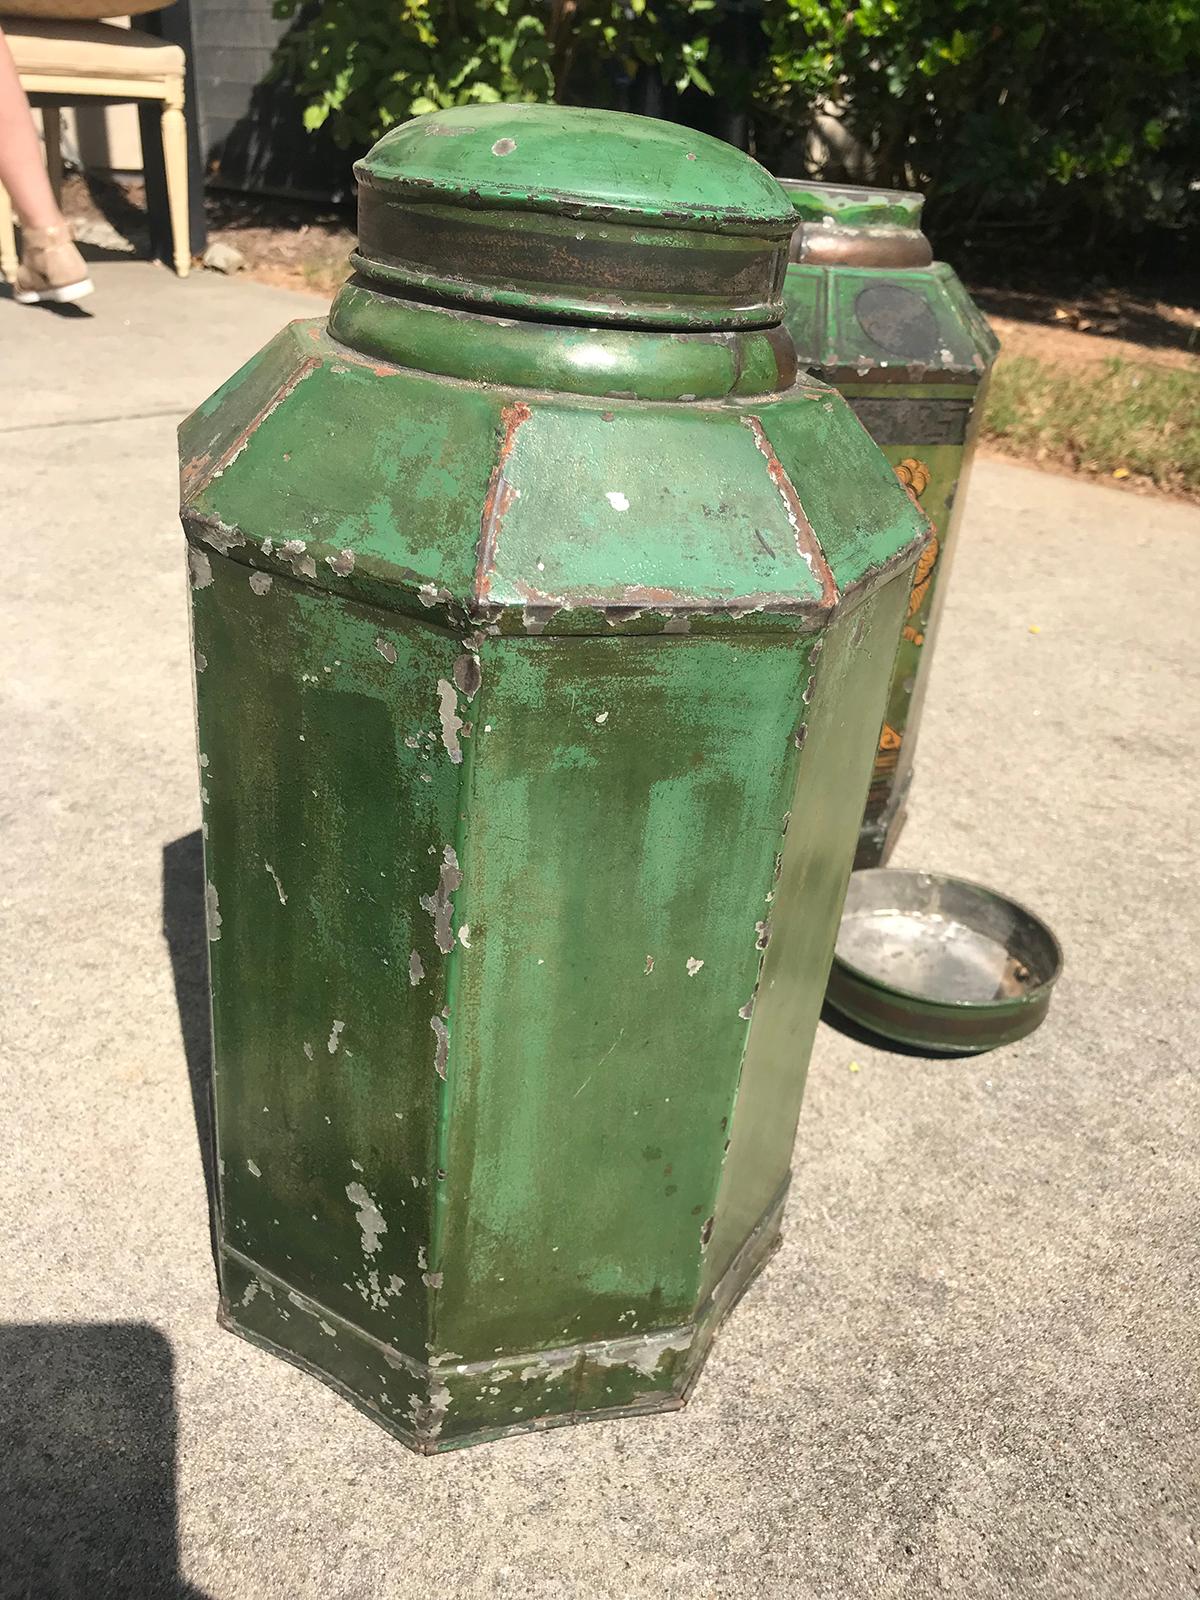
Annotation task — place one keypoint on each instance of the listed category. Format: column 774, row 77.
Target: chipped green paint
column 853, row 205
column 507, row 691
column 586, row 163
column 573, row 360
column 899, row 336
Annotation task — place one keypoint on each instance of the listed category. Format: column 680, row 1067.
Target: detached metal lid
column 845, row 225
column 558, row 212
column 940, row 963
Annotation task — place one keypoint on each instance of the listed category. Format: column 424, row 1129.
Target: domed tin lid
column 552, row 211
column 846, row 225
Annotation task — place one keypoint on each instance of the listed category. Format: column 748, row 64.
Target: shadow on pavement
column 855, row 1031
column 87, row 1440
column 72, row 310
column 187, row 943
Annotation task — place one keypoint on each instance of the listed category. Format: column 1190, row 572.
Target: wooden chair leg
column 52, row 134
column 174, row 148
column 8, row 237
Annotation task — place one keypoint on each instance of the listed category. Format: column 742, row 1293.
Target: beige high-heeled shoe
column 51, row 268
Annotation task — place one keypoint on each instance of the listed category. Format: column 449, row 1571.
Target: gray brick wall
column 251, row 131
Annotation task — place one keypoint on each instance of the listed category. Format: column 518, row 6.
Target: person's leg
column 51, row 267
column 21, row 170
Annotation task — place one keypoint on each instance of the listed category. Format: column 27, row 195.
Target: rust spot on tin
column 665, row 600
column 468, row 675
column 500, row 496
column 191, row 471
column 677, row 610
column 808, row 546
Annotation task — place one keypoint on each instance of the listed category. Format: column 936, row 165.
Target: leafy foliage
column 988, row 104
column 365, row 64
column 1063, row 109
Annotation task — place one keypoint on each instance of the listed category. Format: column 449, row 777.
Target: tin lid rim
column 764, row 225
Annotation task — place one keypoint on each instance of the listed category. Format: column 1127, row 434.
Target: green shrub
column 364, row 65
column 1072, row 106
column 367, row 64
column 1047, row 114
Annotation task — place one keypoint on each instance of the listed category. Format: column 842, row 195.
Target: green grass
column 1117, row 417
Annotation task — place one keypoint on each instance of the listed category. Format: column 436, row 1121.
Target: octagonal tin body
column 872, row 313
column 534, row 726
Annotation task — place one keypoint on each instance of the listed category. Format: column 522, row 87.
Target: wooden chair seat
column 90, row 50
column 65, row 63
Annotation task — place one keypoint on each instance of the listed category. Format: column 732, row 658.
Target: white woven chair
column 66, row 63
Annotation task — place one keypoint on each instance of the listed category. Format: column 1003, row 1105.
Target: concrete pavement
column 972, row 1369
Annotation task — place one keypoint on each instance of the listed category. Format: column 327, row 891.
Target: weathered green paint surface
column 911, row 352
column 539, row 209
column 577, row 161
column 854, row 205
column 576, row 360
column 618, row 839
column 533, row 724
column 801, row 910
column 915, row 325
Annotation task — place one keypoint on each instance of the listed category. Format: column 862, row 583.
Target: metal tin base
column 445, row 1403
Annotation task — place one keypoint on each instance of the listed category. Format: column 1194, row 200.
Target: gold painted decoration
column 915, row 476
column 889, row 748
